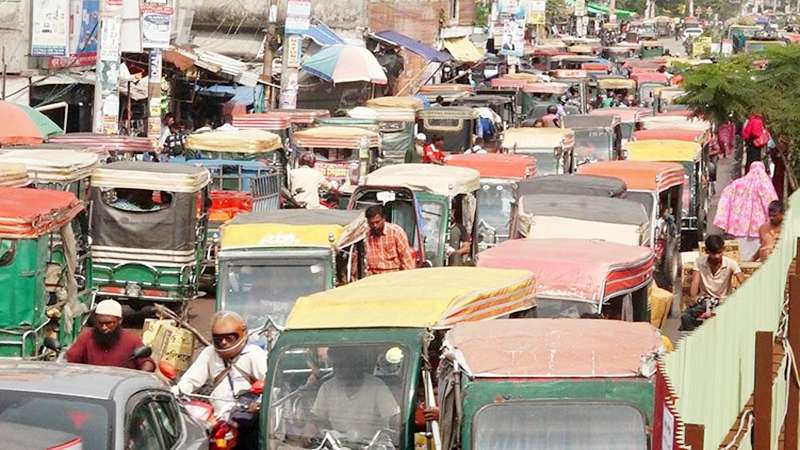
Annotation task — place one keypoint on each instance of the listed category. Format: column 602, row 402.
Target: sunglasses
column 222, row 340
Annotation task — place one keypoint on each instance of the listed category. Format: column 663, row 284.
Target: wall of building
column 15, row 33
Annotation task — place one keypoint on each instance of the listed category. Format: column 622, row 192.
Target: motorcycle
column 240, row 430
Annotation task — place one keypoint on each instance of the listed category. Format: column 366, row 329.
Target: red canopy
column 496, row 165
column 30, row 213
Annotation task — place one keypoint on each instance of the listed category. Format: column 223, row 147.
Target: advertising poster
column 297, row 16
column 50, row 28
column 156, row 24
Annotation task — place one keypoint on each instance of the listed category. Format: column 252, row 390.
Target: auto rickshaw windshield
column 494, row 205
column 264, row 288
column 545, row 425
column 592, row 144
column 352, row 392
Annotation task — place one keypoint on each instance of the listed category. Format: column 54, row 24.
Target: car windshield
column 260, row 289
column 89, row 419
column 592, row 145
column 351, row 392
column 549, row 425
column 494, row 206
column 546, row 162
column 432, row 216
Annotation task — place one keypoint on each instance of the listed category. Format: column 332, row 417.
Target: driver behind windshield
column 354, row 402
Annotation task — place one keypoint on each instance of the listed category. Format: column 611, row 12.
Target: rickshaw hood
column 243, row 141
column 549, row 138
column 419, row 298
column 335, row 137
column 663, row 150
column 30, row 213
column 294, row 228
column 148, row 175
column 53, row 166
column 553, row 348
column 442, row 180
column 496, row 165
column 639, row 175
column 605, row 268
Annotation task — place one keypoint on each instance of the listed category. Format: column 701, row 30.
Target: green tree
column 557, row 12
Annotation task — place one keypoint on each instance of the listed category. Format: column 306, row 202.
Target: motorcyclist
column 228, row 367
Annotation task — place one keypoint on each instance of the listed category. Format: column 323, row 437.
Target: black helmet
column 552, row 109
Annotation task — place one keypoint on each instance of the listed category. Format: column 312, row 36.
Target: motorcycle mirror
column 52, row 343
column 167, row 369
column 142, row 352
column 257, row 388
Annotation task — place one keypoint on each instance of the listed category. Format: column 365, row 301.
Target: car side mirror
column 167, row 369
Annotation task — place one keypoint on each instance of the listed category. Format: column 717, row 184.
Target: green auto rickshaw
column 40, row 304
column 148, row 230
column 384, row 331
column 429, row 202
column 548, row 384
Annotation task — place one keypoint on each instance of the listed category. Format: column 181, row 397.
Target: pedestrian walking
column 743, row 208
column 756, row 138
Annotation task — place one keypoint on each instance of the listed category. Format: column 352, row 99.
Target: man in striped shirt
column 387, row 244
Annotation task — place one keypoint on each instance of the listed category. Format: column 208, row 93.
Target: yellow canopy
column 420, row 298
column 414, row 103
column 294, row 229
column 463, row 49
column 442, row 180
column 663, row 150
column 242, row 141
column 616, row 83
column 529, row 137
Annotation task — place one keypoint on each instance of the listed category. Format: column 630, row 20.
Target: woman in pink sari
column 742, row 208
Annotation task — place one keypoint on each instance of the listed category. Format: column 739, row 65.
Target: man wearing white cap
column 107, row 343
column 419, row 149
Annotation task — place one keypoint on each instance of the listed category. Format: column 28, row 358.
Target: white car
column 693, row 33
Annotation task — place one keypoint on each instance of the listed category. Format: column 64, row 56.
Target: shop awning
column 413, row 45
column 322, row 35
column 463, row 50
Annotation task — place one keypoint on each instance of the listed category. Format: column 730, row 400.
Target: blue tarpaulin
column 322, row 35
column 413, row 45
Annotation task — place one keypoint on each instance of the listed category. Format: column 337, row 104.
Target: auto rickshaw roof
column 598, row 186
column 442, row 180
column 13, row 175
column 587, row 270
column 626, row 115
column 448, row 92
column 654, row 63
column 531, row 137
column 400, row 102
column 675, row 134
column 249, row 141
column 335, row 137
column 616, row 83
column 652, row 44
column 53, row 166
column 262, row 121
column 484, row 99
column 639, row 175
column 112, row 143
column 569, row 75
column 663, row 150
column 150, row 175
column 554, row 348
column 522, row 76
column 323, row 228
column 661, row 121
column 546, row 88
column 507, row 83
column 301, row 116
column 367, row 123
column 586, row 121
column 449, row 112
column 420, row 298
column 580, row 49
column 29, row 213
column 495, row 165
column 650, row 77
column 376, row 114
column 585, row 207
column 619, row 48
column 574, row 58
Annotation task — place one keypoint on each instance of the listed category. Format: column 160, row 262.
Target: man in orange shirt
column 387, row 244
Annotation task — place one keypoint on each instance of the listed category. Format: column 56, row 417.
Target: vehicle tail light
column 112, row 290
column 155, row 293
column 75, row 444
column 223, row 436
